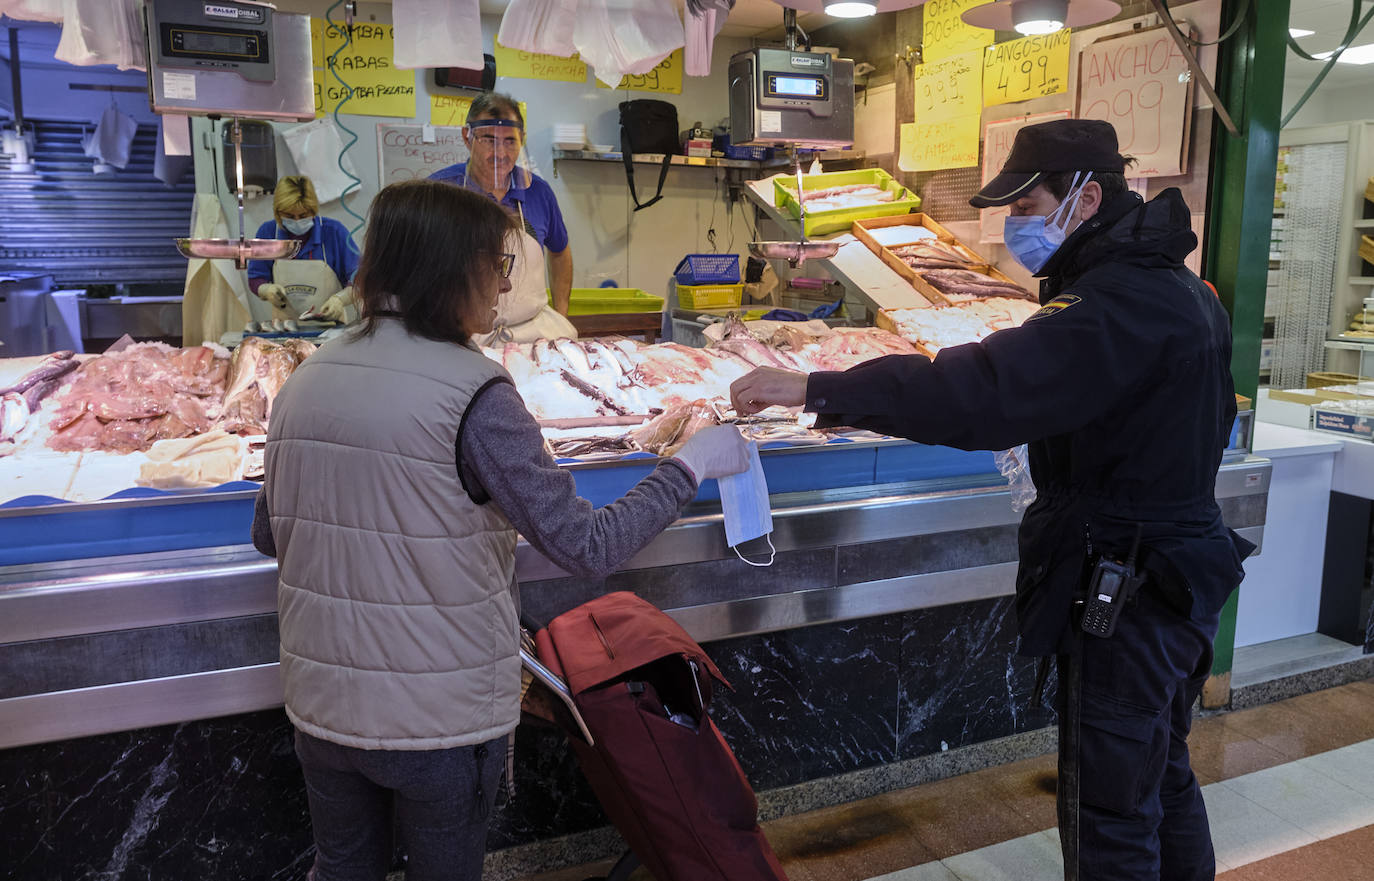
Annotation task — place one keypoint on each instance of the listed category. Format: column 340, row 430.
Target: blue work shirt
column 543, row 220
column 328, row 241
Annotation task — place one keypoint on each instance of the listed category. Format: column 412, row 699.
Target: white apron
column 307, row 283
column 523, row 313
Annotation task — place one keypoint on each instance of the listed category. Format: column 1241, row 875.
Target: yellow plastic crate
column 822, row 222
column 602, row 301
column 709, row 296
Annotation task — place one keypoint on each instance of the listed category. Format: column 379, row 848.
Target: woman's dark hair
column 431, row 249
column 495, row 104
column 1113, row 185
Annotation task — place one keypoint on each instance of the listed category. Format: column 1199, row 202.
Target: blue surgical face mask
column 744, row 502
column 1033, row 240
column 298, row 227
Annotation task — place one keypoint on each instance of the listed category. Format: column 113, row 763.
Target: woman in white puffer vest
column 401, row 463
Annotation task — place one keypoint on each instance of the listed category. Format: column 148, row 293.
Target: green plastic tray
column 821, row 222
column 601, row 301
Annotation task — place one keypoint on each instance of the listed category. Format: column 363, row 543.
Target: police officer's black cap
column 1048, row 147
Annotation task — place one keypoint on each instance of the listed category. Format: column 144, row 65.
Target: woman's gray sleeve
column 502, row 457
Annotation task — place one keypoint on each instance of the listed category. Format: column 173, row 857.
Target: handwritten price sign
column 1140, row 84
column 534, row 66
column 378, row 88
column 931, row 146
column 1032, row 67
column 453, row 110
column 944, row 32
column 949, row 89
column 666, row 78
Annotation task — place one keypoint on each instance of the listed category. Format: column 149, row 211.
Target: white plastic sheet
column 102, row 32
column 437, row 33
column 317, row 149
column 112, row 138
column 543, row 26
column 704, row 23
column 619, row 37
column 32, row 10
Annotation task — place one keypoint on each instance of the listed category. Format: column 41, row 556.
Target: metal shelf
column 1350, row 345
column 703, row 161
column 1363, row 224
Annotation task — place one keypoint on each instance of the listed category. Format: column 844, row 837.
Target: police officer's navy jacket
column 1120, row 383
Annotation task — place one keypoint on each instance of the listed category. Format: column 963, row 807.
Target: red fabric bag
column 673, row 788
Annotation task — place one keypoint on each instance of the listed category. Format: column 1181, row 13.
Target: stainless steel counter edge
column 52, row 600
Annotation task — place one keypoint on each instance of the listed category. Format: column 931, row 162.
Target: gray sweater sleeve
column 262, row 525
column 502, row 456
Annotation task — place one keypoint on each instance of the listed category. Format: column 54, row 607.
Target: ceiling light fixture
column 850, row 8
column 1033, row 17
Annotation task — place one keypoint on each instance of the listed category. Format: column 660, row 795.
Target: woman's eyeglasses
column 506, row 265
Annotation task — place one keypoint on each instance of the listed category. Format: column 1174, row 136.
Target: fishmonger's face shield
column 498, row 160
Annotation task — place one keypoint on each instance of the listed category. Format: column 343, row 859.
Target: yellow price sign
column 944, row 32
column 534, row 66
column 1031, row 67
column 453, row 109
column 949, row 89
column 931, row 146
column 666, row 78
column 365, row 65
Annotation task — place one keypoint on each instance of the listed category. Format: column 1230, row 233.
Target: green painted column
column 1240, row 212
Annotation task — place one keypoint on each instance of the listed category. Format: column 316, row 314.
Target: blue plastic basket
column 698, row 269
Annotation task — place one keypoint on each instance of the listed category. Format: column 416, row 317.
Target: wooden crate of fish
column 955, row 324
column 934, row 262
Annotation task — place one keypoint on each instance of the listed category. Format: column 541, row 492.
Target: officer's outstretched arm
column 1057, row 372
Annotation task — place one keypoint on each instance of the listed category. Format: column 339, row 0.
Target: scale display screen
column 181, row 41
column 794, row 86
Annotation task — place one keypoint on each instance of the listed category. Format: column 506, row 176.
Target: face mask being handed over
column 298, row 227
column 1032, row 240
column 744, row 502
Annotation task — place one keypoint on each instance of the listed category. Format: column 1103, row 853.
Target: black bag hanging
column 647, row 126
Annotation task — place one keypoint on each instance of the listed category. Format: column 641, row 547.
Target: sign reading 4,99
column 1032, row 67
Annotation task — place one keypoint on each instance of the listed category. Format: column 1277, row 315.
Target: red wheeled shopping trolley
column 638, row 689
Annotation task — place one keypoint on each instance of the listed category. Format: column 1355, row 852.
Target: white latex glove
column 274, row 294
column 714, row 452
column 332, row 309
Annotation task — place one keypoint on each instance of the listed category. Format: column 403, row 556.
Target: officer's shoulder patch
column 1058, row 304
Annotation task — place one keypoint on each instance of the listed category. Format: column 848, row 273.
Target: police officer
column 1121, row 384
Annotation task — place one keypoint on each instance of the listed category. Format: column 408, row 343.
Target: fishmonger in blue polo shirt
column 494, row 135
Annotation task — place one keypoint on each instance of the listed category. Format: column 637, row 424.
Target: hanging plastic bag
column 1014, row 464
column 317, row 150
column 619, row 37
column 705, row 18
column 112, row 139
column 32, row 10
column 102, row 32
column 543, row 26
column 437, row 33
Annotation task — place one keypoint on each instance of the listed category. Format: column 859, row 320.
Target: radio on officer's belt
column 1112, row 585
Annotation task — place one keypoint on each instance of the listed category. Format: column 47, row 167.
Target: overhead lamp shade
column 850, row 8
column 1017, row 15
column 822, row 5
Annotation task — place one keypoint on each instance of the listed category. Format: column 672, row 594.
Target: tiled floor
column 1289, row 789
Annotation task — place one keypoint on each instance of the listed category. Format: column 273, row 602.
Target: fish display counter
column 138, row 628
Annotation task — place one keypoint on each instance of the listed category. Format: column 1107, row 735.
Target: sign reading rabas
column 378, row 88
column 1058, row 304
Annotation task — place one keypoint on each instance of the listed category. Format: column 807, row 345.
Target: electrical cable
column 1357, row 24
column 348, row 96
column 1241, row 16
